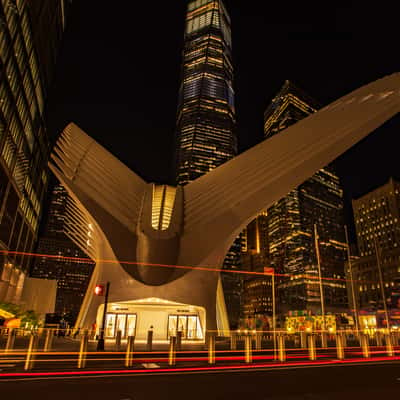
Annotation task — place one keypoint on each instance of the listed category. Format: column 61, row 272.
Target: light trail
column 199, row 268
column 275, row 365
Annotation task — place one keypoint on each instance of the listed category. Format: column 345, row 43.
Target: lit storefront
column 165, row 318
column 310, row 323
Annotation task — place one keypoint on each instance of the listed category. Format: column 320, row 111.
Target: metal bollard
column 30, row 355
column 281, row 348
column 12, row 333
column 129, row 351
column 150, row 340
column 389, row 345
column 118, row 337
column 49, row 340
column 233, row 341
column 324, row 340
column 378, row 338
column 340, row 345
column 83, row 350
column 248, row 358
column 258, row 340
column 172, row 350
column 179, row 340
column 364, row 341
column 211, row 349
column 312, row 353
column 303, row 339
column 344, row 337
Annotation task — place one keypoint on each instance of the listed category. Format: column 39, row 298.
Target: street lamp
column 99, row 291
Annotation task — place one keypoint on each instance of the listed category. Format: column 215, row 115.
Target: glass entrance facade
column 189, row 325
column 126, row 323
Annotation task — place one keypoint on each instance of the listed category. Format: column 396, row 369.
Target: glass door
column 110, row 325
column 189, row 325
column 172, row 325
column 131, row 325
column 182, row 325
column 121, row 320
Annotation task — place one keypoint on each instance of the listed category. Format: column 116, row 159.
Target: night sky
column 119, row 70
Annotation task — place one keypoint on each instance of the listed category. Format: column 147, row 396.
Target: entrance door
column 110, row 325
column 189, row 325
column 126, row 323
column 121, row 322
column 131, row 325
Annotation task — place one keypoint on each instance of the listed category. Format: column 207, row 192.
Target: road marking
column 151, row 365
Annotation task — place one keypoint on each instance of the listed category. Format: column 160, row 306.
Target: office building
column 377, row 222
column 256, row 296
column 30, row 35
column 57, row 252
column 318, row 200
column 206, row 110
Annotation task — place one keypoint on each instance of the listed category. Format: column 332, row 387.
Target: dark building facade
column 377, row 221
column 57, row 258
column 319, row 200
column 30, row 35
column 256, row 297
column 206, row 112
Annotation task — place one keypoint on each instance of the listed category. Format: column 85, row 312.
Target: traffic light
column 99, row 290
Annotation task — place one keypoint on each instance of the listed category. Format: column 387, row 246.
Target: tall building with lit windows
column 206, row 112
column 319, row 200
column 30, row 35
column 256, row 296
column 377, row 222
column 58, row 251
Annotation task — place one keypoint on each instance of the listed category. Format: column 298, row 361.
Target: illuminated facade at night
column 256, row 299
column 377, row 217
column 72, row 276
column 161, row 259
column 319, row 200
column 206, row 113
column 30, row 35
column 206, row 110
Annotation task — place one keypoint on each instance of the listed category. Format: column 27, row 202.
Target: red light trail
column 197, row 369
column 200, row 268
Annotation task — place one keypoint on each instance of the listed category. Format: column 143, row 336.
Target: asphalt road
column 344, row 382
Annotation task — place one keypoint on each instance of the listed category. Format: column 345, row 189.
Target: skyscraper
column 319, row 200
column 256, row 297
column 206, row 110
column 377, row 221
column 30, row 35
column 56, row 247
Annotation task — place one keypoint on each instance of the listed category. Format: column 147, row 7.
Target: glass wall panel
column 131, row 325
column 172, row 325
column 110, row 325
column 121, row 322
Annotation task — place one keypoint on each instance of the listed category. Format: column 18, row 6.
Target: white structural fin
column 98, row 174
column 219, row 204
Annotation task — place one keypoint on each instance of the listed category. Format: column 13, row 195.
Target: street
column 308, row 383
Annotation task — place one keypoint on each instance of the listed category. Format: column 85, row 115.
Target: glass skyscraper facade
column 30, row 35
column 72, row 275
column 206, row 135
column 206, row 112
column 319, row 200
